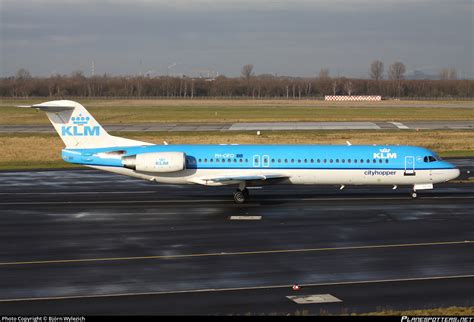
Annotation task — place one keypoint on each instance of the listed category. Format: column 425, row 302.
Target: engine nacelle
column 156, row 161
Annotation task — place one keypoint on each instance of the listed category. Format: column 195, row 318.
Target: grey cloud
column 293, row 38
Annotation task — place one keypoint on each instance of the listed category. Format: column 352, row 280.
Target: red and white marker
column 296, row 287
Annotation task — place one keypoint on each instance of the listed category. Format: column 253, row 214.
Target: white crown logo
column 385, row 150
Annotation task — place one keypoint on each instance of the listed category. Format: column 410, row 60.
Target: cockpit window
column 429, row 158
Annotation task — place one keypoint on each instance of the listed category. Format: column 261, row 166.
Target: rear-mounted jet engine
column 156, row 162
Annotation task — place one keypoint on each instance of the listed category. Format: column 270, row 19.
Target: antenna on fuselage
column 165, row 143
column 348, row 143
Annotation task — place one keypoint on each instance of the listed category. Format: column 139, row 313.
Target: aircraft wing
column 235, row 178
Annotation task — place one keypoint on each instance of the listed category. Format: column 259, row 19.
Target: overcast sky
column 284, row 37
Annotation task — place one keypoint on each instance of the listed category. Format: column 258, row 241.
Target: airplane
column 88, row 144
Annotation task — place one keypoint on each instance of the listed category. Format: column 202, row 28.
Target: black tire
column 239, row 197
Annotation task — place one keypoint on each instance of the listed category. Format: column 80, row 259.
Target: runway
column 256, row 126
column 87, row 242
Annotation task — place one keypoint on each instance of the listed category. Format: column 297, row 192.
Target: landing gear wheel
column 240, row 196
column 414, row 195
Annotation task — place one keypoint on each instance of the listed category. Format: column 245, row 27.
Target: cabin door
column 409, row 166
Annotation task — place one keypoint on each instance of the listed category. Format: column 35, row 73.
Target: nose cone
column 454, row 173
column 451, row 172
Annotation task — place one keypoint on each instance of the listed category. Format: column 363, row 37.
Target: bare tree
column 348, row 87
column 78, row 74
column 376, row 70
column 334, row 86
column 308, row 87
column 396, row 71
column 19, row 85
column 23, row 74
column 247, row 73
column 324, row 73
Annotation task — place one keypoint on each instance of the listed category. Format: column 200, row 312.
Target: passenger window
column 305, row 160
column 374, row 161
column 349, row 161
column 368, row 160
column 223, row 160
column 431, row 158
column 292, row 160
column 286, row 160
column 343, row 161
column 312, row 160
column 325, row 160
column 299, row 161
column 330, row 160
column 386, row 160
column 199, row 160
column 279, row 160
column 337, row 160
column 240, row 160
column 425, row 159
column 319, row 161
column 380, row 161
column 205, row 160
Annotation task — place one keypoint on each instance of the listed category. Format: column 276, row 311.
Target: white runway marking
column 400, row 125
column 248, row 288
column 314, row 299
column 245, row 217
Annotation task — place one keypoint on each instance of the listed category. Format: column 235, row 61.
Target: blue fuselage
column 371, row 157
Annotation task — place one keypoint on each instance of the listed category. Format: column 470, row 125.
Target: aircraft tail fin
column 78, row 128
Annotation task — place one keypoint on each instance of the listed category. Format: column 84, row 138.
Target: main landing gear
column 241, row 195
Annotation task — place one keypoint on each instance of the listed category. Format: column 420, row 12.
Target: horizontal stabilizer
column 50, row 108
